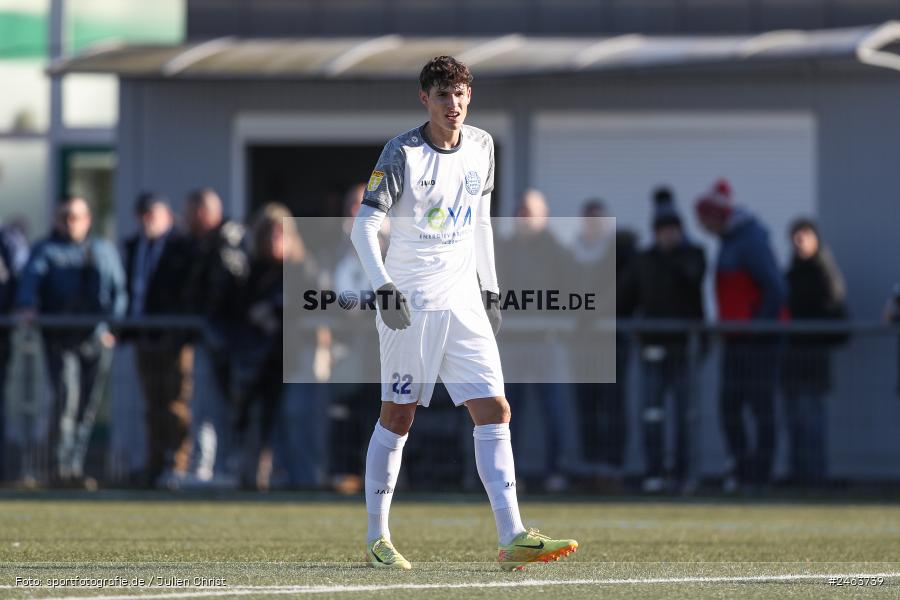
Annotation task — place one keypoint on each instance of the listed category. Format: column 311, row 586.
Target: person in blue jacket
column 749, row 287
column 71, row 272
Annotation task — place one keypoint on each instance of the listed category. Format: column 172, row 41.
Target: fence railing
column 696, row 405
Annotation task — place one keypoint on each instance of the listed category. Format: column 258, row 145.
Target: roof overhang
column 393, row 57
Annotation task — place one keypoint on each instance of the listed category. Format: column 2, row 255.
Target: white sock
column 382, row 468
column 494, row 459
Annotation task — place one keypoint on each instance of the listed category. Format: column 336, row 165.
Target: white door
column 769, row 158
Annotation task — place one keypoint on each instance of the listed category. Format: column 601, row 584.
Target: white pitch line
column 305, row 589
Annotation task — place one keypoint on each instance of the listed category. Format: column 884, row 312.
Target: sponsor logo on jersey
column 473, row 182
column 426, row 182
column 375, row 180
column 440, row 219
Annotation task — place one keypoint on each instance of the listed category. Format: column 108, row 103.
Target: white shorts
column 457, row 345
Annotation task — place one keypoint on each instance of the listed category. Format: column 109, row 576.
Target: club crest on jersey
column 375, row 180
column 473, row 182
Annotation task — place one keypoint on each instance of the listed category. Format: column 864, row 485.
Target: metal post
column 55, row 39
column 693, row 418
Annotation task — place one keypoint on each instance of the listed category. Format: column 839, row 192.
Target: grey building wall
column 175, row 135
column 260, row 18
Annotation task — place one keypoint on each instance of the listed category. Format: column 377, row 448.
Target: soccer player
column 432, row 318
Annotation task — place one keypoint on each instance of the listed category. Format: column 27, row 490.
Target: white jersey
column 433, row 196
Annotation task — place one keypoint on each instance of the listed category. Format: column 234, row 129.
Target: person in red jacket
column 749, row 287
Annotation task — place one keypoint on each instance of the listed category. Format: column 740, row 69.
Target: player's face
column 447, row 107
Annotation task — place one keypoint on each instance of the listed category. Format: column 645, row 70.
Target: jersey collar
column 435, row 148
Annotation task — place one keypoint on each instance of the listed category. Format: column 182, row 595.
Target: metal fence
column 800, row 406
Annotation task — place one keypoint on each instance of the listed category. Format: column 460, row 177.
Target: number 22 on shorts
column 401, row 383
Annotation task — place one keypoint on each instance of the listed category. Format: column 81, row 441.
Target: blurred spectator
column 156, row 264
column 352, row 410
column 601, row 406
column 276, row 247
column 7, row 291
column 892, row 315
column 815, row 291
column 531, row 260
column 617, row 428
column 749, row 286
column 73, row 273
column 218, row 269
column 14, row 238
column 219, row 261
column 665, row 282
column 348, row 272
column 13, row 255
column 891, row 312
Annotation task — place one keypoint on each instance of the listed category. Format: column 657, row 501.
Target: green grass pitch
column 302, row 546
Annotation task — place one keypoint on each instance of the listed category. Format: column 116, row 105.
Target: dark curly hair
column 444, row 72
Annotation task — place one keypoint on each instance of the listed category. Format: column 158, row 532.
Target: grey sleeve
column 489, row 181
column 386, row 183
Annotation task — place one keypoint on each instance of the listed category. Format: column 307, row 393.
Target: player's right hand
column 394, row 309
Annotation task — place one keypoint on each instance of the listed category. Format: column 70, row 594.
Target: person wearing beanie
column 715, row 207
column 664, row 211
column 749, row 286
column 665, row 282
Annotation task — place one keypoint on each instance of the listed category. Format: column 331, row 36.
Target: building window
column 23, row 164
column 90, row 100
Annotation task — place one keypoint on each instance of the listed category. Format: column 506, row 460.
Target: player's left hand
column 492, row 306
